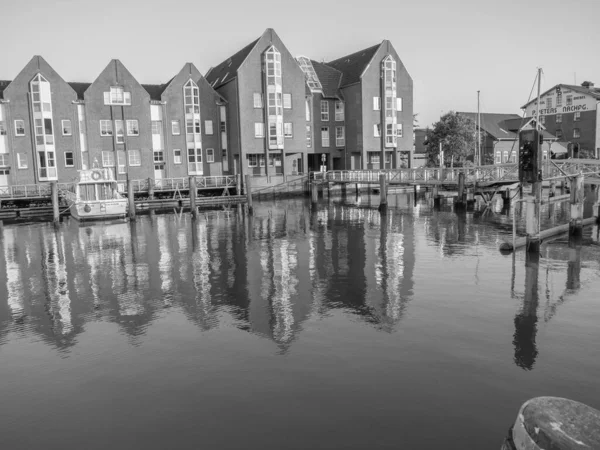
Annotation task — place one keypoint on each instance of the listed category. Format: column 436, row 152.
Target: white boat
column 96, row 196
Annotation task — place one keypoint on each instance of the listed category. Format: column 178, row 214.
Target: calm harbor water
column 295, row 328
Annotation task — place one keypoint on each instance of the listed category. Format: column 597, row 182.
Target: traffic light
column 530, row 155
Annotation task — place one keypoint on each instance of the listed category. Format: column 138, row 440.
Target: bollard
column 382, row 192
column 193, row 193
column 554, row 423
column 55, row 211
column 575, row 223
column 131, row 200
column 249, row 194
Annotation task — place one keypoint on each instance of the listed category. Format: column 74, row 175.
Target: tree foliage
column 458, row 137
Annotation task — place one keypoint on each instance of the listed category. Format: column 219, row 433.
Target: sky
column 451, row 48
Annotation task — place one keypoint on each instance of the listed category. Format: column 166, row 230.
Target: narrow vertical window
column 66, row 127
column 324, row 111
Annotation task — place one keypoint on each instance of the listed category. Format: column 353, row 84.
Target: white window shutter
column 399, row 104
column 376, row 104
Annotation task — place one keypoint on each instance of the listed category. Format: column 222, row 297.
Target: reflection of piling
column 193, row 194
column 526, row 320
column 574, row 263
column 506, row 198
column 576, row 222
column 436, row 196
column 596, row 205
column 131, row 199
column 344, row 189
column 415, row 187
column 470, row 197
column 532, row 217
column 357, row 191
column 55, row 211
column 552, row 422
column 314, row 193
column 248, row 187
column 382, row 193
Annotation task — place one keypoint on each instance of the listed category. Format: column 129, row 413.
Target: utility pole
column 533, row 235
column 478, row 133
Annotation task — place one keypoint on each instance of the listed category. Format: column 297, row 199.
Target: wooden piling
column 314, row 193
column 506, row 198
column 577, row 192
column 382, row 192
column 357, row 191
column 238, row 184
column 596, row 206
column 460, row 202
column 150, row 189
column 553, row 422
column 532, row 217
column 436, row 196
column 193, row 193
column 248, row 187
column 55, row 210
column 131, row 200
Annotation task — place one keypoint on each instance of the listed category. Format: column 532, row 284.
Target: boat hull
column 99, row 210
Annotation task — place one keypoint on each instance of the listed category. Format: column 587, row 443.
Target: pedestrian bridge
column 481, row 175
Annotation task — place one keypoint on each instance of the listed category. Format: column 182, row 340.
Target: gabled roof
column 227, row 70
column 493, row 123
column 330, row 79
column 352, row 66
column 3, row 85
column 156, row 90
column 593, row 91
column 80, row 88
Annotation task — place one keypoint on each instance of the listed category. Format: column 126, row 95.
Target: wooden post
column 314, row 193
column 238, row 184
column 343, row 187
column 194, row 209
column 532, row 219
column 248, row 188
column 55, row 211
column 461, row 190
column 436, row 196
column 506, row 197
column 553, row 422
column 357, row 191
column 576, row 224
column 382, row 192
column 150, row 189
column 131, row 200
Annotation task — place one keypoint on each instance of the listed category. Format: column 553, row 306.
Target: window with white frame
column 340, row 136
column 159, row 156
column 195, row 160
column 274, row 160
column 258, row 100
column 399, row 104
column 559, row 118
column 117, row 96
column 325, row 136
column 133, row 128
column 66, row 127
column 2, row 128
column 308, row 136
column 259, row 130
column 261, row 160
column 19, row 128
column 498, row 157
column 119, row 132
column 208, row 127
column 377, row 130
column 374, row 158
column 339, row 111
column 287, row 130
column 191, row 99
column 376, row 103
column 135, row 157
column 324, row 110
column 121, row 161
column 176, row 156
column 274, row 90
column 558, row 99
column 287, row 101
column 577, row 116
column 399, row 130
column 576, row 132
column 69, row 159
column 4, row 159
column 108, row 159
column 175, row 128
column 252, row 160
column 390, row 105
column 210, row 155
column 22, row 161
column 390, row 133
column 106, row 128
column 549, row 102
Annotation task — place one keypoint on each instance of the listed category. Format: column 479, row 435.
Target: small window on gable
column 19, row 128
column 175, row 128
column 66, row 127
column 210, row 155
column 287, row 101
column 399, row 104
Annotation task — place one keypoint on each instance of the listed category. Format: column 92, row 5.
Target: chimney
column 587, row 84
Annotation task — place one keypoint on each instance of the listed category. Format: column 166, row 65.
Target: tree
column 457, row 135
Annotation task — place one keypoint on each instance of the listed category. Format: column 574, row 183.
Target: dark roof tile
column 227, row 70
column 330, row 79
column 492, row 123
column 80, row 88
column 352, row 66
column 156, row 90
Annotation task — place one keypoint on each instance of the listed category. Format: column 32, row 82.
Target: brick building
column 571, row 113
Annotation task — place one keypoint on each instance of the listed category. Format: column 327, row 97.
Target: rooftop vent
column 587, row 84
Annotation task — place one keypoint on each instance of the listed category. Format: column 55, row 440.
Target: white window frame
column 325, row 140
column 498, row 157
column 3, row 159
column 112, row 94
column 287, row 125
column 134, row 157
column 324, row 111
column 376, row 130
column 72, row 159
column 106, row 128
column 339, row 111
column 308, row 136
column 22, row 161
column 340, row 141
column 287, row 101
column 210, row 155
column 131, row 131
column 376, row 103
column 549, row 102
column 177, row 156
column 559, row 118
column 259, row 130
column 208, row 127
column 261, row 160
column 121, row 162
column 252, row 157
column 577, row 116
column 17, row 127
column 399, row 104
column 569, row 101
column 158, row 156
column 505, row 156
column 107, row 157
column 119, row 136
column 70, row 128
column 175, row 124
column 308, row 112
column 156, row 125
column 399, row 130
column 258, row 100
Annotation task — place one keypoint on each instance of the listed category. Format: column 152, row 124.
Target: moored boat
column 96, row 196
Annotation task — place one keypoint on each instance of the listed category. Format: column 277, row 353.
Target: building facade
column 571, row 113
